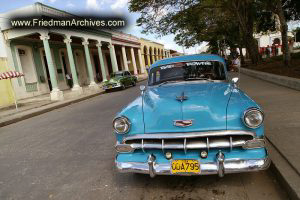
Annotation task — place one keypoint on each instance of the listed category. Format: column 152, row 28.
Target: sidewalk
column 282, row 126
column 37, row 105
column 41, row 104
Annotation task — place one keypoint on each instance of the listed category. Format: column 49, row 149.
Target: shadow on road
column 259, row 185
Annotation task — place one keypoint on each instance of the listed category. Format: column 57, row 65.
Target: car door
column 130, row 78
column 125, row 79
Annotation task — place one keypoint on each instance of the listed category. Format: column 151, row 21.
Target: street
column 69, row 154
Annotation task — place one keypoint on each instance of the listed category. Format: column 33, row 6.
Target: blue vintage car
column 190, row 120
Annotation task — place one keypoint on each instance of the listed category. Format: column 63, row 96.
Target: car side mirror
column 142, row 88
column 235, row 80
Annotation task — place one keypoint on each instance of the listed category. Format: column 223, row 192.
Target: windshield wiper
column 194, row 79
column 166, row 83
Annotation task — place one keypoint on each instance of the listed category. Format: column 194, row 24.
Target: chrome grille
column 112, row 84
column 189, row 141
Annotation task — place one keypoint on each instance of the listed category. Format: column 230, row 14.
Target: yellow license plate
column 185, row 167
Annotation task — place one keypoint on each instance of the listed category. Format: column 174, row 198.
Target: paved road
column 69, row 154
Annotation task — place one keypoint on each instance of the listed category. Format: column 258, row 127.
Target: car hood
column 205, row 105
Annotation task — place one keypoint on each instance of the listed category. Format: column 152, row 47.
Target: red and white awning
column 10, row 75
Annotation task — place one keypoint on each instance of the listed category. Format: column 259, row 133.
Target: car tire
column 134, row 83
column 123, row 87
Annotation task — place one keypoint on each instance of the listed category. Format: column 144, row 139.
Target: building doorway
column 81, row 68
column 97, row 68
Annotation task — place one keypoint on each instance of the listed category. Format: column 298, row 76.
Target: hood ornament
column 183, row 123
column 182, row 97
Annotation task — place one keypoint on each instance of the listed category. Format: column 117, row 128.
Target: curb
column 49, row 107
column 289, row 82
column 281, row 167
column 286, row 175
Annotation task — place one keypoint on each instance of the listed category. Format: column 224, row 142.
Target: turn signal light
column 255, row 143
column 123, row 148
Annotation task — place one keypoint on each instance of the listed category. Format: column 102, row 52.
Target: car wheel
column 134, row 83
column 123, row 87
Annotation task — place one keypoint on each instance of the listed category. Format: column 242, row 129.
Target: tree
column 245, row 13
column 195, row 21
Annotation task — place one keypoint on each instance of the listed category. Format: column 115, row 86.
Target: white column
column 76, row 88
column 113, row 57
column 133, row 61
column 56, row 94
column 103, row 71
column 124, row 58
column 141, row 61
column 85, row 43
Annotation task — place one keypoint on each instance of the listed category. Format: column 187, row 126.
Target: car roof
column 195, row 57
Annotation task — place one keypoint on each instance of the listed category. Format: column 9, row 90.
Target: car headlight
column 253, row 117
column 121, row 125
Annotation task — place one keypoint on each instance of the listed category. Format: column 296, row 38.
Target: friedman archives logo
column 42, row 22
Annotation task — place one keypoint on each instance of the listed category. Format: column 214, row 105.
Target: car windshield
column 187, row 71
column 116, row 74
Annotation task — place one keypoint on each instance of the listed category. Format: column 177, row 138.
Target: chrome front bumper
column 220, row 167
column 112, row 87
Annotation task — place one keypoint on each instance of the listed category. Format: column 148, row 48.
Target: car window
column 116, row 74
column 187, row 71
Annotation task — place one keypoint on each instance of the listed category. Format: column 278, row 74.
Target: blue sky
column 118, row 7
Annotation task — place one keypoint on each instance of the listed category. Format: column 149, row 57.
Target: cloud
column 70, row 4
column 52, row 1
column 119, row 4
column 92, row 5
column 169, row 43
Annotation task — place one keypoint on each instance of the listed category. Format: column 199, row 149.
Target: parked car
column 121, row 80
column 190, row 120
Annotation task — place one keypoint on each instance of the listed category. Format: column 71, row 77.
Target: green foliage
column 222, row 23
column 265, row 21
column 192, row 22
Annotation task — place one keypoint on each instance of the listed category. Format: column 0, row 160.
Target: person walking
column 236, row 64
column 69, row 80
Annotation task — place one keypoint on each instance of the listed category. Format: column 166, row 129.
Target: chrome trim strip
column 230, row 143
column 230, row 166
column 143, row 146
column 187, row 135
column 184, row 145
column 207, row 144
